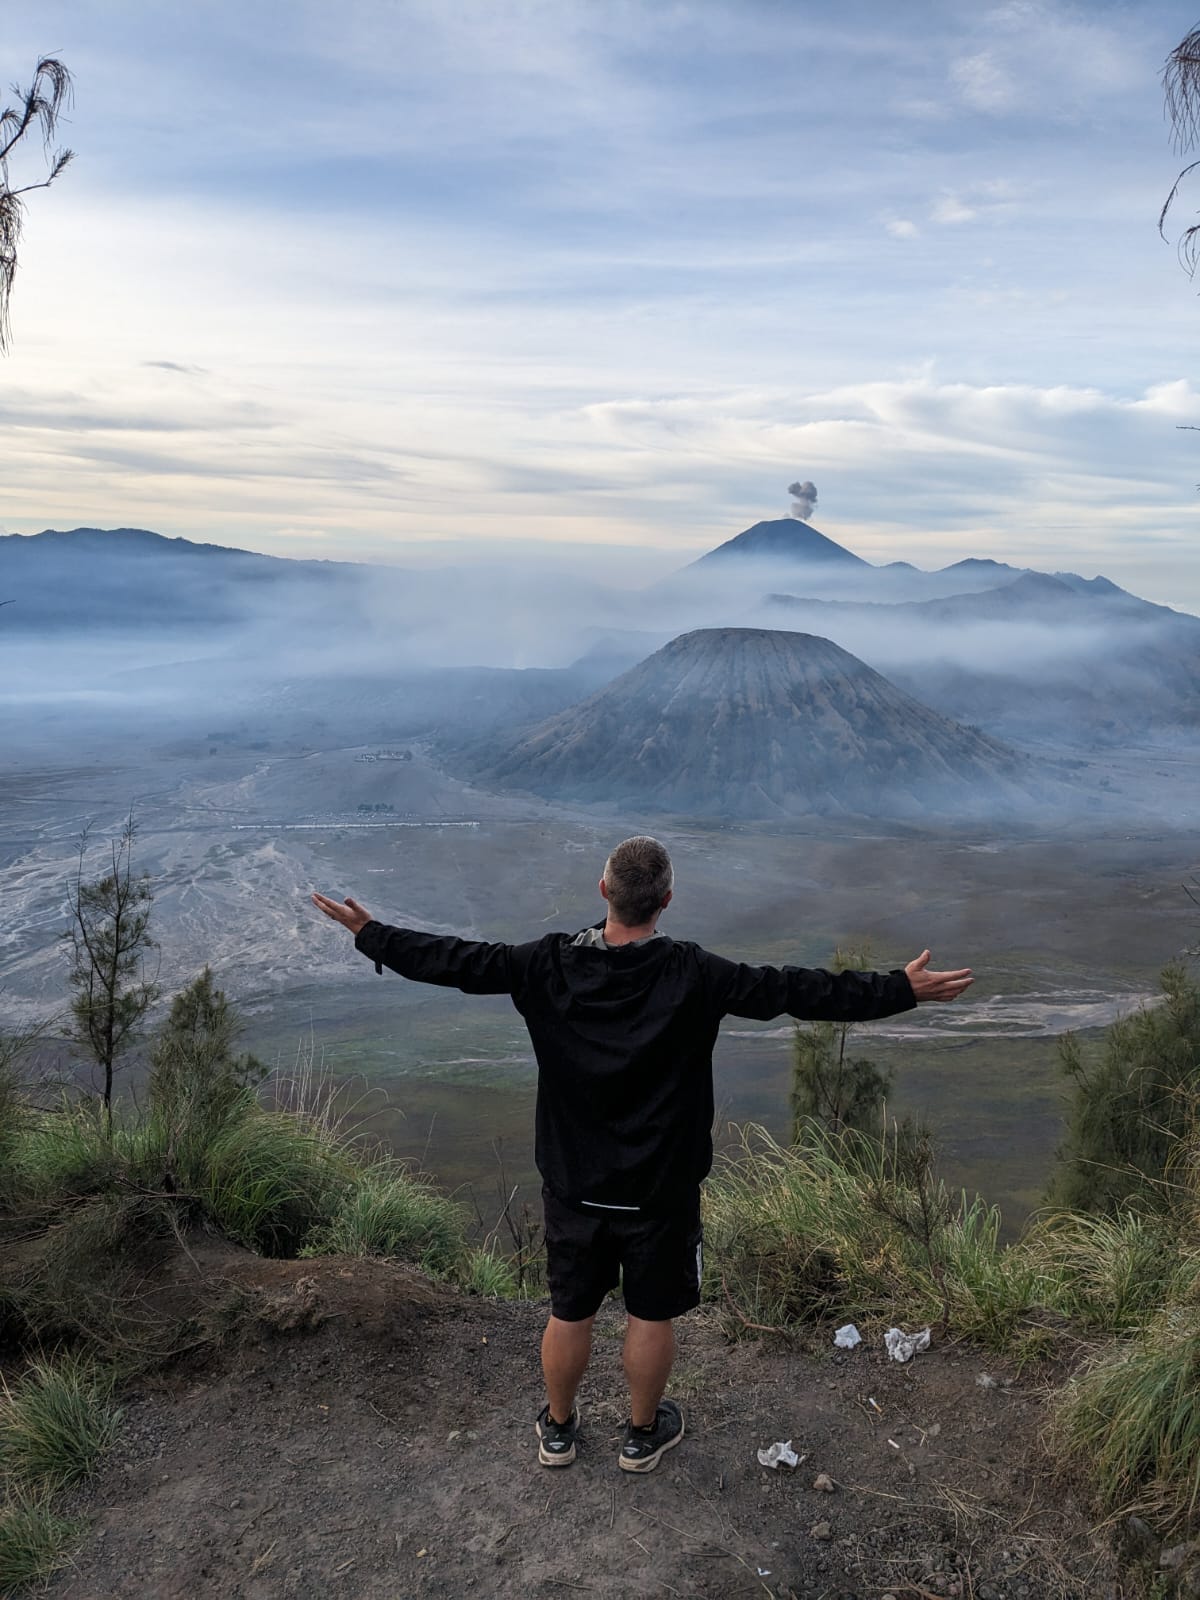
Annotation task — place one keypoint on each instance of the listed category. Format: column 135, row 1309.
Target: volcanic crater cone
column 751, row 722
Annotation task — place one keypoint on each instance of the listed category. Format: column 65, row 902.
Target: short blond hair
column 638, row 877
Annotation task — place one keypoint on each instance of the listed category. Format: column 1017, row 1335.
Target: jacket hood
column 611, row 977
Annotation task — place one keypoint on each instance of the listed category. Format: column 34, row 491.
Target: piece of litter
column 986, row 1381
column 779, row 1454
column 893, row 1444
column 874, row 1404
column 763, row 1572
column 421, row 1553
column 846, row 1338
column 903, row 1346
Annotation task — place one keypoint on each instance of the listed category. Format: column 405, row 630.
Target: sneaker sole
column 559, row 1460
column 555, row 1461
column 648, row 1463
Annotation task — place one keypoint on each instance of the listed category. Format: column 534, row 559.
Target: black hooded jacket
column 624, row 1037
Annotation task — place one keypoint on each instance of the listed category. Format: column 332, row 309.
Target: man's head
column 637, row 882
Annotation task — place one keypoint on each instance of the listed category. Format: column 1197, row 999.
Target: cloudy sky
column 360, row 279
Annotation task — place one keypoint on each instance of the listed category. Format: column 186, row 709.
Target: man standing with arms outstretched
column 623, row 1021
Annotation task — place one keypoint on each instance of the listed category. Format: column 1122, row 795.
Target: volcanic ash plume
column 804, row 499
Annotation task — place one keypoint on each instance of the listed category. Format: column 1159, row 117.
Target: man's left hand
column 348, row 912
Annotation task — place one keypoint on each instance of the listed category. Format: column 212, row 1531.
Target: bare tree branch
column 1181, row 86
column 39, row 106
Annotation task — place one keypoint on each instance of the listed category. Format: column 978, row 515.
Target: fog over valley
column 994, row 761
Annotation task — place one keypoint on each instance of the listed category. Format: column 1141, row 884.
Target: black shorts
column 655, row 1256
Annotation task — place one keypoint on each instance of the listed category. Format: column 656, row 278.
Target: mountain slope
column 1059, row 659
column 782, row 540
column 752, row 723
column 131, row 578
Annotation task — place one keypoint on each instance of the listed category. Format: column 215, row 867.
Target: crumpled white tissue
column 779, row 1455
column 846, row 1338
column 904, row 1346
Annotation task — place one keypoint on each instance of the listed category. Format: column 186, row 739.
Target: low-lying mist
column 124, row 630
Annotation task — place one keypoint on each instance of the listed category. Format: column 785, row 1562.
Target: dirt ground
column 373, row 1437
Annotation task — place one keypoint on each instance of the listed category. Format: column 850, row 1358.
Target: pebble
column 821, row 1530
column 823, row 1483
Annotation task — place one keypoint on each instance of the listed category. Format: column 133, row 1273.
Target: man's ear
column 667, row 899
column 603, row 889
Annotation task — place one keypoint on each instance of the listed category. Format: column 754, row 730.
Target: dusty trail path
column 373, row 1439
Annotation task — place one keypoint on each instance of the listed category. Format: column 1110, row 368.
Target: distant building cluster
column 385, row 755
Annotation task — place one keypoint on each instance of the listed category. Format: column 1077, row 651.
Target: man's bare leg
column 566, row 1347
column 648, row 1355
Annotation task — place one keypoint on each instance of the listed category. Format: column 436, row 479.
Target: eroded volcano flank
column 750, row 722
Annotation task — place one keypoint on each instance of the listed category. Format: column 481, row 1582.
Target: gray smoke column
column 804, row 499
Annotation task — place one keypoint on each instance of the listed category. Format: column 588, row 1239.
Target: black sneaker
column 645, row 1447
column 556, row 1440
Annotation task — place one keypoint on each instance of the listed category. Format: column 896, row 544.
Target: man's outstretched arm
column 813, row 995
column 466, row 964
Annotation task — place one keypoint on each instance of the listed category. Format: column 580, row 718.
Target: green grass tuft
column 1131, row 1417
column 489, row 1275
column 387, row 1210
column 847, row 1226
column 64, row 1153
column 55, row 1422
column 1106, row 1274
column 268, row 1178
column 34, row 1540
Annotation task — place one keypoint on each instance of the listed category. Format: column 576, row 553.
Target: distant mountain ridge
column 1032, row 657
column 122, row 539
column 134, row 579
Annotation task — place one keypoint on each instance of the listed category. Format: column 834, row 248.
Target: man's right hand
column 928, row 985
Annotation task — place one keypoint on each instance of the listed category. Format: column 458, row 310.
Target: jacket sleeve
column 466, row 964
column 807, row 993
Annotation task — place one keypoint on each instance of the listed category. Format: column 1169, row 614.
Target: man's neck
column 618, row 933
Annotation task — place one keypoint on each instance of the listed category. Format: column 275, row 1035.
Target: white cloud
column 1057, row 476
column 982, row 82
column 950, row 209
column 1058, row 60
column 530, row 211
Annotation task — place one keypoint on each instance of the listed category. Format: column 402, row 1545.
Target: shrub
column 830, row 1088
column 197, row 1082
column 89, row 1277
column 12, row 1117
column 769, row 1257
column 856, row 1226
column 1131, row 1106
column 387, row 1210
